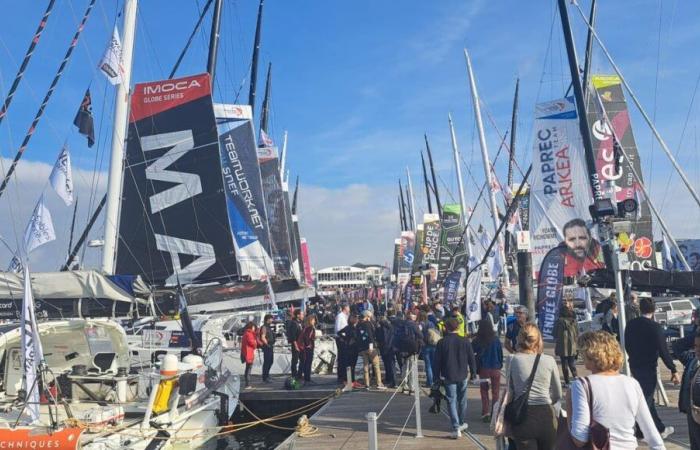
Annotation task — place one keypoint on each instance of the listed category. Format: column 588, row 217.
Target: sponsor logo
column 643, row 247
column 601, row 130
column 170, row 86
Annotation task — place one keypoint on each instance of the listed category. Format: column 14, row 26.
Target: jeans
column 268, row 358
column 457, row 398
column 307, row 356
column 647, row 379
column 428, row 355
column 371, row 357
column 494, row 375
column 296, row 363
column 568, row 363
column 388, row 359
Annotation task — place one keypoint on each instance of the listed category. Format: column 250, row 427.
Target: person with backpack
column 347, row 349
column 385, row 335
column 267, row 341
column 454, row 361
column 488, row 353
column 407, row 343
column 431, row 336
column 292, row 331
column 249, row 343
column 366, row 346
column 689, row 395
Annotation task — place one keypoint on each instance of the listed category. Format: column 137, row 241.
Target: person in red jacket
column 305, row 345
column 249, row 343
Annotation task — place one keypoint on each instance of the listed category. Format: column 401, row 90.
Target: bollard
column 372, row 430
column 416, row 396
column 348, row 380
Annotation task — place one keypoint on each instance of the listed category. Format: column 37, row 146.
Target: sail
column 291, row 237
column 299, row 257
column 453, row 250
column 174, row 222
column 559, row 190
column 613, row 168
column 244, row 192
column 276, row 211
column 308, row 274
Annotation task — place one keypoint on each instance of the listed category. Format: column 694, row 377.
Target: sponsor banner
column 473, row 291
column 174, row 227
column 397, row 256
column 614, row 170
column 418, row 251
column 452, row 287
column 244, row 195
column 32, row 438
column 550, row 283
column 408, row 239
column 691, row 251
column 559, row 189
column 453, row 251
column 431, row 240
column 308, row 275
column 276, row 211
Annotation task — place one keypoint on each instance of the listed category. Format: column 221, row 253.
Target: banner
column 61, row 177
column 690, row 248
column 244, row 195
column 308, row 275
column 418, row 251
column 473, row 291
column 614, row 170
column 493, row 260
column 431, row 241
column 559, row 188
column 453, row 250
column 408, row 239
column 174, row 224
column 39, row 230
column 550, row 283
column 452, row 287
column 397, row 256
column 276, row 211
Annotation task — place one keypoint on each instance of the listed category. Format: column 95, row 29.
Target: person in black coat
column 384, row 335
column 347, row 349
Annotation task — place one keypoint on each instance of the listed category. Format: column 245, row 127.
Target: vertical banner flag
column 307, row 262
column 83, row 119
column 31, row 350
column 406, row 256
column 62, row 177
column 493, row 260
column 476, row 254
column 396, row 262
column 111, row 62
column 452, row 287
column 614, row 169
column 453, row 252
column 39, row 230
column 418, row 250
column 244, row 192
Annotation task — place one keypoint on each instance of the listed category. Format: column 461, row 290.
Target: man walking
column 366, row 345
column 267, row 338
column 454, row 360
column 645, row 343
column 293, row 330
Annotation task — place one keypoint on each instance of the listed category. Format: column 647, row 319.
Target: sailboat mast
column 121, row 110
column 432, row 173
column 487, row 165
column 458, row 168
column 214, row 41
column 404, row 219
column 411, row 199
column 427, row 185
column 589, row 48
column 265, row 112
column 256, row 52
column 283, row 159
column 513, row 126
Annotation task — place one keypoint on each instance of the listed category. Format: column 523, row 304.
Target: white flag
column 493, row 261
column 32, row 353
column 15, row 265
column 62, row 177
column 474, row 281
column 40, row 228
column 666, row 251
column 111, row 62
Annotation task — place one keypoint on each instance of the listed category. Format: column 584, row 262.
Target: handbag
column 498, row 425
column 516, row 410
column 599, row 436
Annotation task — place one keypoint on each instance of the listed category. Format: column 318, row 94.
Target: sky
column 356, row 85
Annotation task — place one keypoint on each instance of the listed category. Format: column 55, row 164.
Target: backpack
column 404, row 338
column 385, row 336
column 433, row 336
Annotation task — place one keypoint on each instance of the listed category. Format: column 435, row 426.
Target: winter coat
column 565, row 335
column 488, row 355
column 306, row 339
column 248, row 345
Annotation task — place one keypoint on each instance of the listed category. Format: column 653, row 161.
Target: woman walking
column 531, row 370
column 249, row 343
column 489, row 361
column 608, row 398
column 305, row 344
column 566, row 335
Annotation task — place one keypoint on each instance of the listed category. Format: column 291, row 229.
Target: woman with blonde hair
column 536, row 376
column 608, row 398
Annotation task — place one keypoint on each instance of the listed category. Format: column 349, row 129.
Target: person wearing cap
column 367, row 346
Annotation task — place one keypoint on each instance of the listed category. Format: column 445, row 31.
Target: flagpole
column 121, row 109
column 487, row 166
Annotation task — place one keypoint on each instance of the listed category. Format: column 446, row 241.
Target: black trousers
column 268, row 358
column 389, row 373
column 694, row 433
column 647, row 380
column 568, row 363
column 296, row 362
column 346, row 358
column 307, row 357
column 246, row 375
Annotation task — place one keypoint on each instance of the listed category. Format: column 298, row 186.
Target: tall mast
column 265, row 112
column 432, row 172
column 411, row 200
column 410, row 219
column 513, row 126
column 283, row 159
column 589, row 48
column 214, row 41
column 403, row 208
column 427, row 184
column 487, row 165
column 256, row 52
column 294, row 197
column 116, row 166
column 401, row 219
column 458, row 167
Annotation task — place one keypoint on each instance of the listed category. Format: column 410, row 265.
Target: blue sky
column 356, row 84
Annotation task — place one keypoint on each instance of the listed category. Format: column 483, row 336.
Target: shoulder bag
column 599, row 436
column 516, row 410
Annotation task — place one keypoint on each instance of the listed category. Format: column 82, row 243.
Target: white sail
column 32, row 353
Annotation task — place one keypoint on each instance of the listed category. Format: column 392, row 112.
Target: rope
column 396, row 391
column 404, row 426
column 304, row 428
